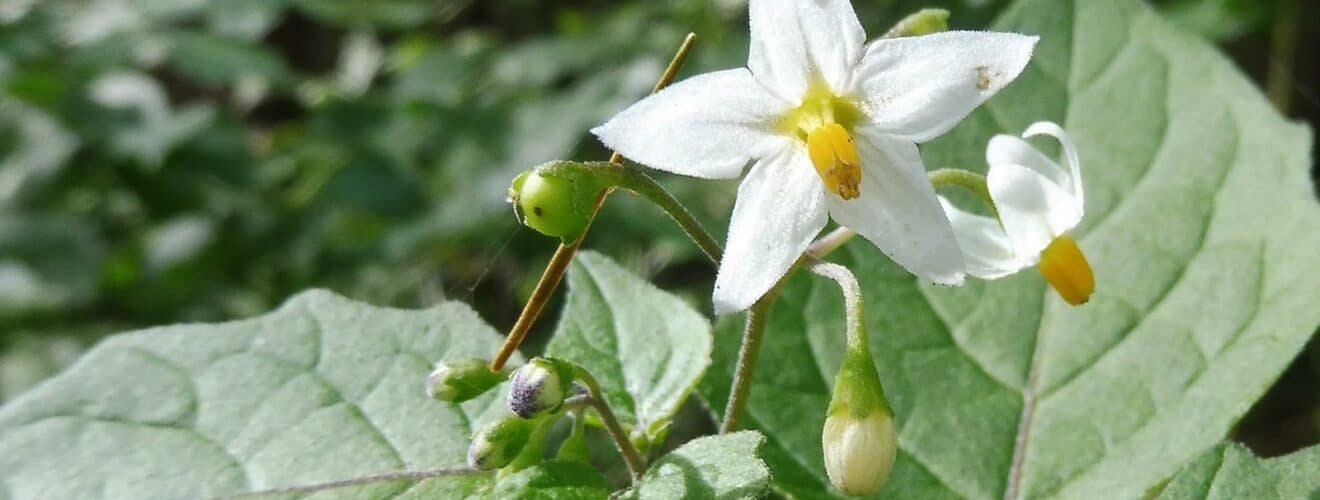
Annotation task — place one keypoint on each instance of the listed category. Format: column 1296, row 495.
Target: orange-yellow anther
column 1067, row 270
column 835, row 157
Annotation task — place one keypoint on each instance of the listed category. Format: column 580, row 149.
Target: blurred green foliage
column 200, row 160
column 167, row 161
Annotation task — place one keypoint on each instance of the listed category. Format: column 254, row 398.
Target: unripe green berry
column 551, row 206
column 461, row 380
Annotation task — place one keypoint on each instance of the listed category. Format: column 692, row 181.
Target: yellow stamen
column 835, row 156
column 1067, row 270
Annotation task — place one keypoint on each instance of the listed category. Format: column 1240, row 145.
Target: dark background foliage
column 169, row 161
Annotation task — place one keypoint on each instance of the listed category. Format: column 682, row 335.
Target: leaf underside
column 717, row 467
column 646, row 347
column 323, row 389
column 1231, row 471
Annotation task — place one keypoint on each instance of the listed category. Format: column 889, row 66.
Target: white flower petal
column 898, row 210
column 780, row 209
column 1004, row 149
column 709, row 126
column 917, row 88
column 1069, row 154
column 985, row 246
column 1033, row 208
column 796, row 41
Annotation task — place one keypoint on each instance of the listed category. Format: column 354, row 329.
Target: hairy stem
column 633, row 459
column 637, row 182
column 1283, row 50
column 753, row 332
column 971, row 181
column 830, row 242
column 648, row 188
column 554, row 271
column 852, row 298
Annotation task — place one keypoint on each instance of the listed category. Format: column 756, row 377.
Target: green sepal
column 498, row 444
column 857, row 387
column 922, row 22
column 533, row 449
column 462, row 380
column 574, row 447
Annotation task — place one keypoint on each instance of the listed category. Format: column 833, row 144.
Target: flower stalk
column 558, row 265
column 612, row 176
column 859, row 440
column 922, row 22
column 636, row 464
column 971, row 181
column 753, row 332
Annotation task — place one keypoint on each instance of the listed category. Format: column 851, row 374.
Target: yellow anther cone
column 835, row 157
column 1066, row 269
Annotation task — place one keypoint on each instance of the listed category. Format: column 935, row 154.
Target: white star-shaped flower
column 1039, row 202
column 829, row 127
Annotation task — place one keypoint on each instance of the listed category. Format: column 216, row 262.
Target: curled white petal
column 919, row 87
column 986, row 248
column 1033, row 208
column 1069, row 154
column 796, row 41
column 1004, row 149
column 780, row 209
column 709, row 126
column 898, row 210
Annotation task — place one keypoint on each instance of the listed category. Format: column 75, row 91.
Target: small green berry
column 551, row 206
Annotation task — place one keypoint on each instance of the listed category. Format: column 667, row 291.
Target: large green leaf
column 323, row 389
column 1202, row 229
column 1231, row 471
column 721, row 467
column 646, row 347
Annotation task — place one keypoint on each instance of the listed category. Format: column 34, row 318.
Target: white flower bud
column 539, row 386
column 859, row 452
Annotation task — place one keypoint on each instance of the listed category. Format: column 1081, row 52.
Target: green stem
column 971, row 181
column 558, row 265
column 830, row 242
column 574, row 448
column 852, row 298
column 637, row 182
column 534, row 451
column 636, row 465
column 1283, row 50
column 753, row 332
